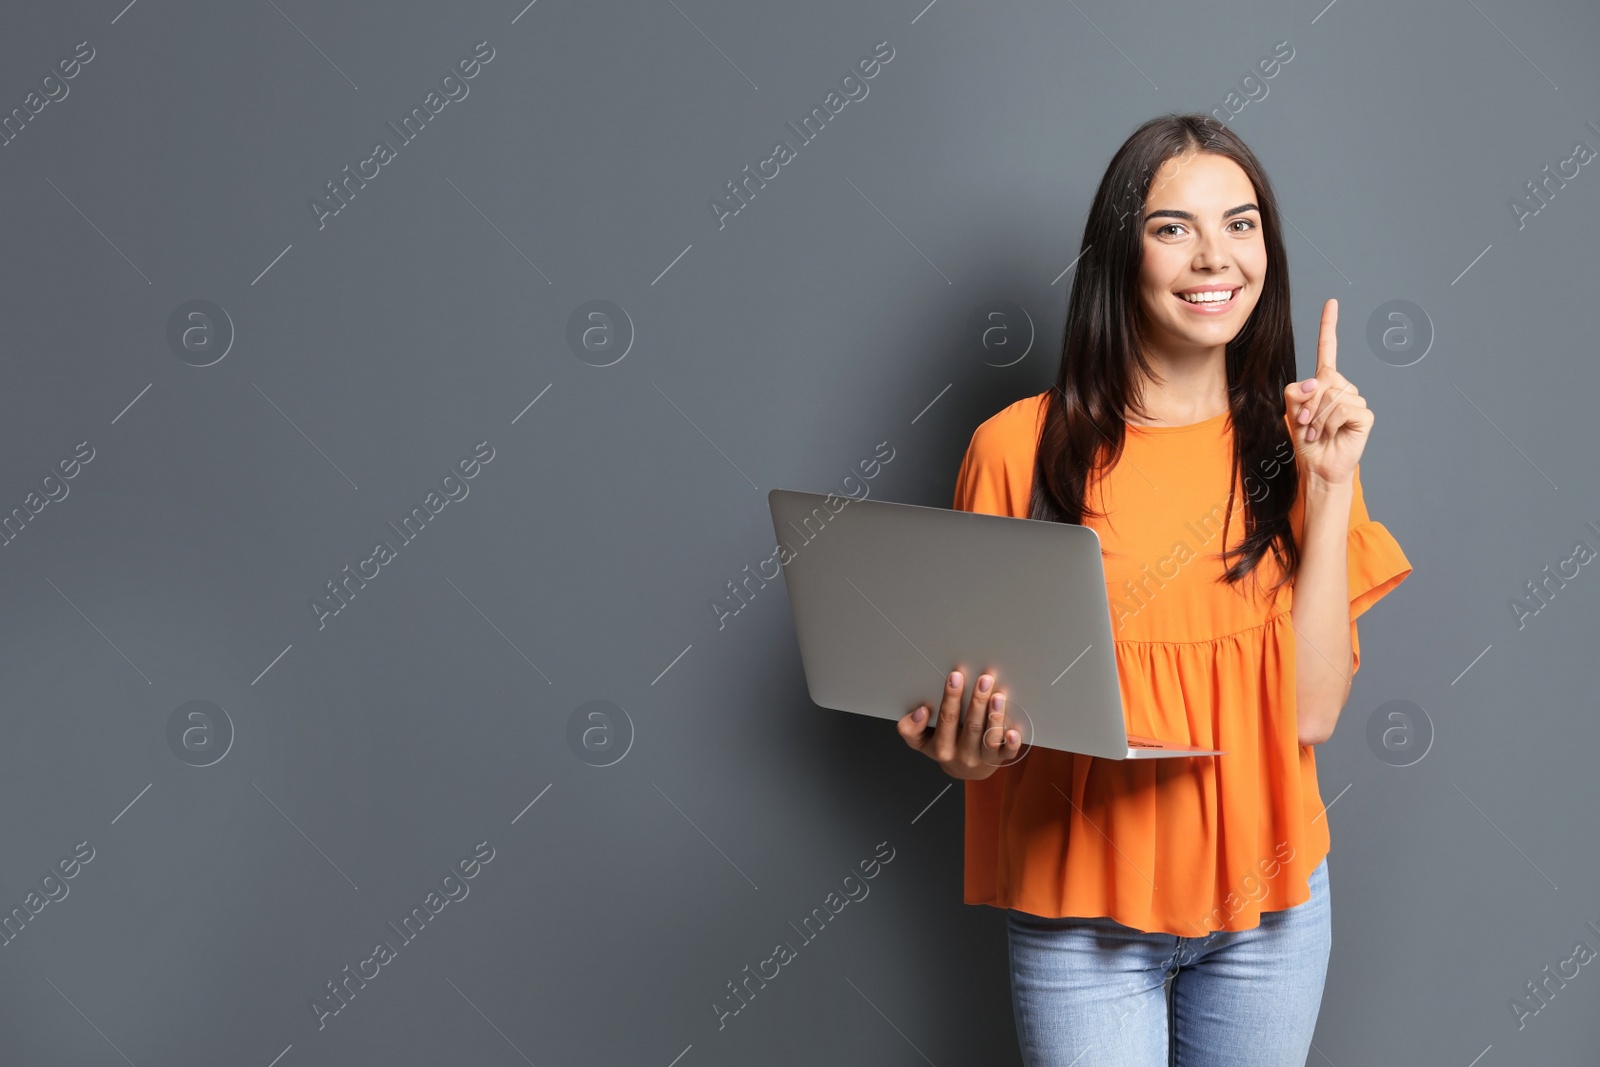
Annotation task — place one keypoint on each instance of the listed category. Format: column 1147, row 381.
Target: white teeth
column 1217, row 297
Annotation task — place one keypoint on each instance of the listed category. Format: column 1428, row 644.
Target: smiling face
column 1204, row 257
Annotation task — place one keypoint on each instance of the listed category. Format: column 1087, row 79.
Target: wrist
column 1314, row 484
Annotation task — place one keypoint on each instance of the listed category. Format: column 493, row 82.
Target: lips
column 1211, row 307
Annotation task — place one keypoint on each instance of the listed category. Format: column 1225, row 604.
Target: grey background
column 833, row 313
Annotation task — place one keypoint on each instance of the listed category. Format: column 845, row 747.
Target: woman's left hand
column 1330, row 420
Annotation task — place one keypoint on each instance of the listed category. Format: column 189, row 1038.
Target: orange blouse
column 1186, row 845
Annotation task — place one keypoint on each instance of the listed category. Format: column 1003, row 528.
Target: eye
column 1161, row 231
column 1249, row 224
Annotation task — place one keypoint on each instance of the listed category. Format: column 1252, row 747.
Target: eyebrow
column 1173, row 213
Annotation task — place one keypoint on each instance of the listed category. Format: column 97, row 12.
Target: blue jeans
column 1091, row 992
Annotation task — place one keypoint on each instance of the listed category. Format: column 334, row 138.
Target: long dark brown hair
column 1083, row 431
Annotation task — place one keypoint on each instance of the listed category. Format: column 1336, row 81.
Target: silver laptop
column 889, row 598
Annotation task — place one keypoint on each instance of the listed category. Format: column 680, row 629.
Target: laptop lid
column 888, row 598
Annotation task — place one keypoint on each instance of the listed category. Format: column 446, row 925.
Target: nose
column 1209, row 253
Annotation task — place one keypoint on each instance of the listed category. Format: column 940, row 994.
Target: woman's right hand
column 968, row 746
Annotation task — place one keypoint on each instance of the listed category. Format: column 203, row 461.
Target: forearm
column 1321, row 611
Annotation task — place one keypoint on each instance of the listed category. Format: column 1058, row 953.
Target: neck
column 1190, row 385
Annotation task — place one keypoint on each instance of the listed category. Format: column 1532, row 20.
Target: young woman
column 1175, row 911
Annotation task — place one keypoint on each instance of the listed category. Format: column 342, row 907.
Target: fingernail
column 999, row 701
column 984, row 683
column 1308, row 385
column 955, row 679
column 918, row 715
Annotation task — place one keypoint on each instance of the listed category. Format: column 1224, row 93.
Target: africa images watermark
column 55, row 490
column 1543, row 990
column 784, row 953
column 455, row 889
column 853, row 88
column 1134, row 598
column 783, row 553
column 1540, row 592
column 1234, row 903
column 341, row 592
column 1541, row 192
column 1255, row 88
column 53, row 886
column 12, row 125
column 455, row 89
column 1130, row 200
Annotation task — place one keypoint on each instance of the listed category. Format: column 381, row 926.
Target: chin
column 1215, row 333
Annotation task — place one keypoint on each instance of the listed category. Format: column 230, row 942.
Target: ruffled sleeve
column 1375, row 564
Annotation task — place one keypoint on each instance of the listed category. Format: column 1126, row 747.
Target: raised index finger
column 1327, row 342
